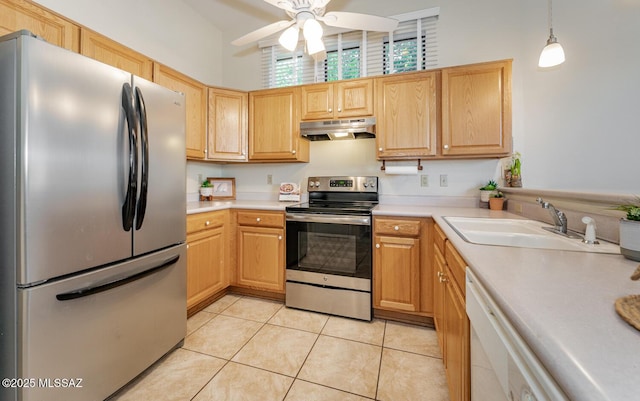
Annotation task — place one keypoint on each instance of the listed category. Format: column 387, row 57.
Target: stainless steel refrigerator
column 92, row 223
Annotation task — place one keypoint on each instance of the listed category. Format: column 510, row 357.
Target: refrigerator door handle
column 144, row 144
column 129, row 205
column 85, row 292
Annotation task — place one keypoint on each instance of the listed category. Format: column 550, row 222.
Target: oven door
column 329, row 244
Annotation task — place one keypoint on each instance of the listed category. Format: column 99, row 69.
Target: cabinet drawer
column 261, row 219
column 203, row 221
column 457, row 265
column 439, row 238
column 397, row 227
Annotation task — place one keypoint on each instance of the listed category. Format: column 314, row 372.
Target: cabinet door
column 456, row 344
column 274, row 126
column 19, row 14
column 438, row 293
column 261, row 258
column 476, row 109
column 196, row 106
column 205, row 264
column 317, row 101
column 407, row 115
column 227, row 125
column 397, row 273
column 354, row 98
column 113, row 53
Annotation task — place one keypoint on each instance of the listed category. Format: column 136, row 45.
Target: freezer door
column 161, row 203
column 104, row 327
column 71, row 162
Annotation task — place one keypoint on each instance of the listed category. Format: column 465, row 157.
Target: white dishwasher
column 503, row 367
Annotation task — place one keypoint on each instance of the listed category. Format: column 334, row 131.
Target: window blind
column 412, row 46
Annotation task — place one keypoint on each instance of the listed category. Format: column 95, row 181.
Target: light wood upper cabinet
column 103, row 49
column 274, row 126
column 407, row 115
column 227, row 134
column 196, row 106
column 476, row 109
column 344, row 99
column 19, row 14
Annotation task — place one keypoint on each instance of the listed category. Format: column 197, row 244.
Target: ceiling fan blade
column 360, row 22
column 283, row 4
column 262, row 32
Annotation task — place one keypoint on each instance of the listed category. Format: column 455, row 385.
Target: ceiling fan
column 305, row 15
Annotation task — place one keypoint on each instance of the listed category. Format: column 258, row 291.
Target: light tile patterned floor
column 243, row 348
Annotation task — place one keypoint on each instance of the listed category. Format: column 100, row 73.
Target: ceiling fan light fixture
column 289, row 38
column 315, row 46
column 312, row 29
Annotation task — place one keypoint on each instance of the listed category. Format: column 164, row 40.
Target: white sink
column 520, row 233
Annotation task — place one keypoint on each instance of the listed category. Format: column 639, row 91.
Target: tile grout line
column 384, row 334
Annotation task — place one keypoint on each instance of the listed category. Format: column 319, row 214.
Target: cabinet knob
column 279, row 237
column 379, row 149
column 330, row 110
column 396, row 228
column 339, row 110
column 446, row 146
column 258, row 219
column 206, row 223
column 377, row 246
column 293, row 152
column 187, row 246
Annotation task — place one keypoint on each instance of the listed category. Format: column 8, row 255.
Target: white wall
column 165, row 30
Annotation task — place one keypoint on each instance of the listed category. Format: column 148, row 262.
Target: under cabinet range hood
column 356, row 128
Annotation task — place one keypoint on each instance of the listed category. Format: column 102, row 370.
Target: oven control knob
column 317, row 183
column 311, row 184
column 372, row 184
column 366, row 184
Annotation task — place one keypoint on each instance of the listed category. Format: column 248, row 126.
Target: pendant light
column 289, row 38
column 552, row 54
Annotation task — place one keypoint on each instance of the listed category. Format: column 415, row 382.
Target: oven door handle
column 329, row 218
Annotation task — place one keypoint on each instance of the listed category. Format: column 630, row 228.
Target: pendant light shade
column 289, row 38
column 553, row 53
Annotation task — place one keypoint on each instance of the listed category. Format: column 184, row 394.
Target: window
column 349, row 63
column 357, row 54
column 404, row 56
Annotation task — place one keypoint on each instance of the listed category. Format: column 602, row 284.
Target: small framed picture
column 223, row 188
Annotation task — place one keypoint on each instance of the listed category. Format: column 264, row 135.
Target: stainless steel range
column 329, row 254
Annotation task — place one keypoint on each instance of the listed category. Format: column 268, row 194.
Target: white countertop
column 201, row 207
column 561, row 303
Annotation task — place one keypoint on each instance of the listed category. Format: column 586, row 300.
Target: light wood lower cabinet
column 207, row 255
column 450, row 316
column 402, row 280
column 261, row 252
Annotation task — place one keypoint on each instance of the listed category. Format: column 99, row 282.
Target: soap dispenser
column 590, row 231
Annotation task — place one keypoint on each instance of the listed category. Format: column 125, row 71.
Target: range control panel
column 343, row 184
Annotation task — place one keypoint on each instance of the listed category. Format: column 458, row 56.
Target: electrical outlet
column 269, row 179
column 444, row 180
column 424, row 180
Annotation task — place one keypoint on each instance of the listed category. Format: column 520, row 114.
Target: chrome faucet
column 559, row 218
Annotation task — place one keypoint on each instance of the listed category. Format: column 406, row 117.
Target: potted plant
column 206, row 189
column 630, row 230
column 516, row 167
column 496, row 201
column 488, row 189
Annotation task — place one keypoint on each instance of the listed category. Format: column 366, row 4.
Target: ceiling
column 234, row 18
